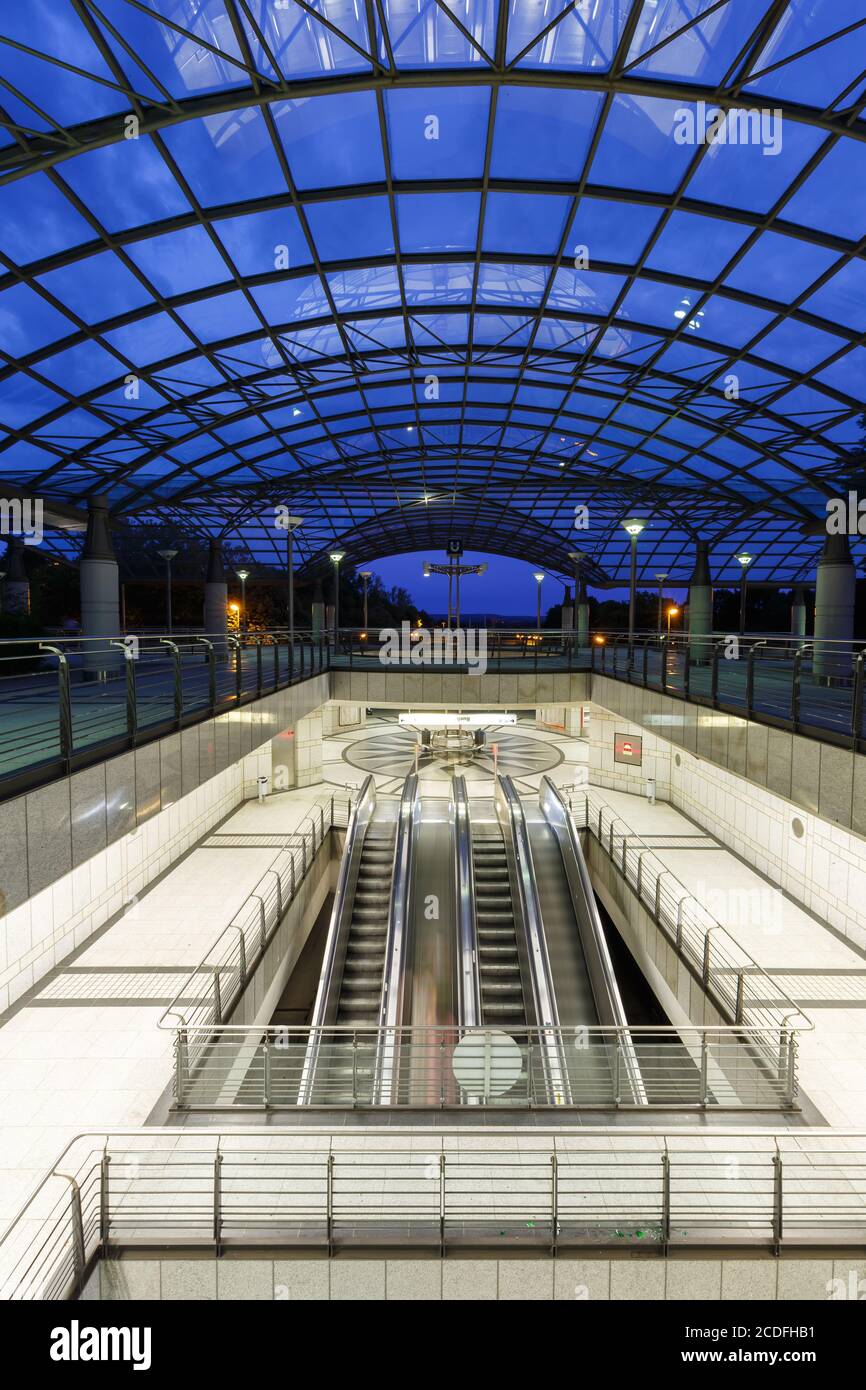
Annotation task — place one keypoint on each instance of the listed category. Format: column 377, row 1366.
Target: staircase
column 502, row 1004
column 361, row 990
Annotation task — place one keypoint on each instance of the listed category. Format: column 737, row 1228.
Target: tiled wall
column 820, row 863
column 594, row 1277
column 74, row 852
column 820, row 778
column 447, row 690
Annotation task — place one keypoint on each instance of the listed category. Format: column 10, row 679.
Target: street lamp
column 672, row 613
column 633, row 525
column 168, row 556
column 454, row 570
column 744, row 559
column 366, row 575
column 661, row 580
column 291, row 524
column 336, row 556
column 243, row 576
column 538, row 577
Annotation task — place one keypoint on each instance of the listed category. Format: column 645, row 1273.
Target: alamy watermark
column 421, row 646
column 704, row 124
column 22, row 516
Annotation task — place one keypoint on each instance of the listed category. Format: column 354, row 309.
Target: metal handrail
column 602, row 976
column 605, row 1188
column 593, row 810
column 244, row 963
column 511, row 817
column 399, row 938
column 325, row 1001
column 468, row 974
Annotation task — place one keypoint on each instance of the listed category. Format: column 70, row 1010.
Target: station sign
column 628, row 748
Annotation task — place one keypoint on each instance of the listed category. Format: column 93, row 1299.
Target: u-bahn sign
column 627, row 748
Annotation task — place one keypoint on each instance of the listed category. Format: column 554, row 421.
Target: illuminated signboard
column 627, row 749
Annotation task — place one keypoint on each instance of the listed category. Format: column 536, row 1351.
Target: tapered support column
column 700, row 615
column 100, row 591
column 798, row 612
column 16, row 589
column 567, row 622
column 835, row 589
column 582, row 614
column 216, row 594
column 318, row 611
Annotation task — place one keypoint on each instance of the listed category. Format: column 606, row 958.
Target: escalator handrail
column 324, row 1008
column 468, row 976
column 608, row 1000
column 510, row 814
column 397, row 942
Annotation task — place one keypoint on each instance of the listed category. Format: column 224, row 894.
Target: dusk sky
column 507, row 588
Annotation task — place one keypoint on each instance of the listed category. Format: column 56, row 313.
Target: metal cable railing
column 741, row 989
column 436, row 1068
column 164, row 1189
column 210, row 992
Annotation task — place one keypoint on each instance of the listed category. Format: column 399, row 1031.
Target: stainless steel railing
column 682, row 1068
column 468, row 977
column 645, row 1189
column 741, row 988
column 398, row 943
column 210, row 991
column 325, row 1004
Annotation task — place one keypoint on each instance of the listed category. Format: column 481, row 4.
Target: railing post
column 679, row 935
column 857, row 701
column 79, row 1249
column 617, row 1071
column 714, row 676
column 210, row 657
column 554, row 1202
column 645, row 660
column 259, row 675
column 705, row 973
column 64, row 702
column 796, row 683
column 217, row 997
column 329, row 1215
column 442, row 1202
column 741, row 986
column 705, row 1058
column 658, row 896
column 686, row 671
column 242, row 945
column 750, row 677
column 266, row 1073
column 181, row 1066
column 104, row 1199
column 129, row 674
column 778, row 1203
column 666, row 1199
column 178, row 679
column 217, row 1200
column 663, row 655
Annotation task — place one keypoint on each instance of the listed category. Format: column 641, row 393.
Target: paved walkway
column 84, row 1051
column 820, row 972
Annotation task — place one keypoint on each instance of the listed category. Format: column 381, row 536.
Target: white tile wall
column 824, row 868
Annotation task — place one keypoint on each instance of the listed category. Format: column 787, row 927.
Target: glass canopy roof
column 428, row 269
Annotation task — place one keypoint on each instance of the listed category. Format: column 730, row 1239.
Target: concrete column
column 16, row 586
column 582, row 615
column 318, row 610
column 798, row 613
column 567, row 612
column 216, row 594
column 100, row 591
column 835, row 590
column 700, row 603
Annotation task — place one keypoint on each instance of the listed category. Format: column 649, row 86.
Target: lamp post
column 291, row 524
column 366, row 575
column 661, row 581
column 336, row 557
column 744, row 559
column 168, row 556
column 453, row 570
column 633, row 525
column 538, row 577
column 243, row 576
column 672, row 613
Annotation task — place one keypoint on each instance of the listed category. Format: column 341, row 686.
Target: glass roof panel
column 437, row 132
column 546, row 126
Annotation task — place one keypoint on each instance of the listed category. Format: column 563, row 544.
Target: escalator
column 502, row 999
column 360, row 994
